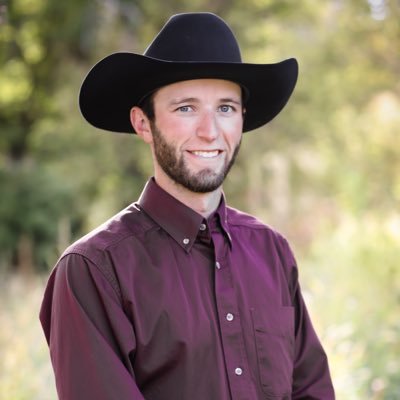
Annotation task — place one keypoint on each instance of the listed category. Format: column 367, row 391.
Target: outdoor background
column 325, row 172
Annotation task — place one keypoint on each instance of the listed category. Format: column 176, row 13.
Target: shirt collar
column 181, row 222
column 219, row 219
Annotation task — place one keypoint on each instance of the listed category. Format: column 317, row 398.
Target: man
column 179, row 296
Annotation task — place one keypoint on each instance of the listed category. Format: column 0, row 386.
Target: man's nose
column 208, row 127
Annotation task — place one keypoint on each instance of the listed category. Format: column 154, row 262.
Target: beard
column 204, row 181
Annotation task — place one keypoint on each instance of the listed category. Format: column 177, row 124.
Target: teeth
column 205, row 154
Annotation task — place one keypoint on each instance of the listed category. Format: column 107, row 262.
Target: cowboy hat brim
column 121, row 80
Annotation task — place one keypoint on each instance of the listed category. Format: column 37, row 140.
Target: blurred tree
column 30, row 199
column 43, row 46
column 36, row 36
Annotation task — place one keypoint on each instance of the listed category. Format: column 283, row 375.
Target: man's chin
column 205, row 181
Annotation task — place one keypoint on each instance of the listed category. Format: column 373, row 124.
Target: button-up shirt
column 162, row 304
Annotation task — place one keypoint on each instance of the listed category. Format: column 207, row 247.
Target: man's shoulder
column 249, row 227
column 242, row 219
column 128, row 223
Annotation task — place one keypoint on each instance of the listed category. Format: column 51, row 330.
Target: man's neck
column 203, row 203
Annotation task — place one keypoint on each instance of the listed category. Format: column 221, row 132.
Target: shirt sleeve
column 311, row 375
column 312, row 378
column 89, row 336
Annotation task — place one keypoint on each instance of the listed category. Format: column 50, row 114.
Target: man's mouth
column 205, row 154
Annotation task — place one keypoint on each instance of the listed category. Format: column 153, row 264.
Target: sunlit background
column 325, row 173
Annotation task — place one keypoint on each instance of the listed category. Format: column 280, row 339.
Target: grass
column 25, row 368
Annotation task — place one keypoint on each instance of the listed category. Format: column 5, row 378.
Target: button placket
column 230, row 327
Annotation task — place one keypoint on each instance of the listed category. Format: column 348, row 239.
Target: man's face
column 197, row 132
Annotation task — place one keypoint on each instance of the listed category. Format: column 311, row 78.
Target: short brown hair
column 147, row 106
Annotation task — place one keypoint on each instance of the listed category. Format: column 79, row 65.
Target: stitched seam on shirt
column 143, row 226
column 252, row 225
column 85, row 245
column 235, row 218
column 89, row 253
column 108, row 275
column 134, row 229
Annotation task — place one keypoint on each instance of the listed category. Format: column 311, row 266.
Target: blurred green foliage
column 325, row 172
column 31, row 199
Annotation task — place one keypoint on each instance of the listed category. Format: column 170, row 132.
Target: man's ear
column 141, row 124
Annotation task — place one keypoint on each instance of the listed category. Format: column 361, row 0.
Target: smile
column 205, row 154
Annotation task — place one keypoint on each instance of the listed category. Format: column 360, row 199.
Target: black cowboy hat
column 189, row 46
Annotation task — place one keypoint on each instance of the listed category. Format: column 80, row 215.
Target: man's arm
column 89, row 336
column 311, row 375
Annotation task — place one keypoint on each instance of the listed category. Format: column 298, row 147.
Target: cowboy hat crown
column 196, row 37
column 189, row 46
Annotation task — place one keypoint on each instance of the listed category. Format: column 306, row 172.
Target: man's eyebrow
column 231, row 100
column 177, row 101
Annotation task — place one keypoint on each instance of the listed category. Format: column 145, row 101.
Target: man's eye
column 185, row 108
column 225, row 108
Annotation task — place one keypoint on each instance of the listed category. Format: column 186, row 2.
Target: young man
column 180, row 296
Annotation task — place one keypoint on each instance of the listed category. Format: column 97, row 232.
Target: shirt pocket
column 274, row 341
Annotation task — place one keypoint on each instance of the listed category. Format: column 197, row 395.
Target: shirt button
column 238, row 371
column 217, row 265
column 186, row 241
column 229, row 317
column 203, row 227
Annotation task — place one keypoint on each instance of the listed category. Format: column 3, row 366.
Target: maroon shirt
column 160, row 304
